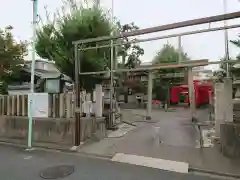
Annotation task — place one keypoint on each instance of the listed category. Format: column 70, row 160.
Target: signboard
column 52, row 86
column 39, row 104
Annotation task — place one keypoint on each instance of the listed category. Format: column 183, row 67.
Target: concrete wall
column 56, row 131
column 18, row 92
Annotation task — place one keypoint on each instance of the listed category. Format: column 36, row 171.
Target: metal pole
column 168, row 36
column 77, row 97
column 111, row 71
column 149, row 102
column 179, row 49
column 30, row 108
column 182, row 24
column 97, row 3
column 226, row 38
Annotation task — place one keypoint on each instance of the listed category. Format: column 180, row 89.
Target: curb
column 38, row 147
column 63, row 150
column 96, row 155
column 192, row 169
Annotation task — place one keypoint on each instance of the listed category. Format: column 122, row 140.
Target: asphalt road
column 17, row 164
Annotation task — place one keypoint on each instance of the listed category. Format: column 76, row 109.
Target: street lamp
column 30, row 100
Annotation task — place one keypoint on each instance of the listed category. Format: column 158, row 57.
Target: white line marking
column 168, row 165
column 28, row 157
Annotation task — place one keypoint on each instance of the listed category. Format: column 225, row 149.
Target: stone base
column 230, row 139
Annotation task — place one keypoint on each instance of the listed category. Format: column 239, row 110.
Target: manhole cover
column 56, row 172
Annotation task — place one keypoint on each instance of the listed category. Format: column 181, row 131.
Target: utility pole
column 30, row 108
column 226, row 38
column 77, row 140
column 179, row 49
column 111, row 72
column 97, row 3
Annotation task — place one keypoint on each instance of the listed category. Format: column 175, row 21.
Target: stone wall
column 56, row 131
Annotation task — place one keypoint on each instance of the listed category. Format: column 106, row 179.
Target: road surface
column 17, row 164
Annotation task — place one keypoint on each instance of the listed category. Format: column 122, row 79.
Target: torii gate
column 189, row 65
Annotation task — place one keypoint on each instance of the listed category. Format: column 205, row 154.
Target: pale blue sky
column 144, row 13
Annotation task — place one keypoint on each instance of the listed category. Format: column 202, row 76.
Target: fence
column 60, row 105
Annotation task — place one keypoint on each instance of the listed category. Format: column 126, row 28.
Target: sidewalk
column 179, row 142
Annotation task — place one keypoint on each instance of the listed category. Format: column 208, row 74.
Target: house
column 47, row 79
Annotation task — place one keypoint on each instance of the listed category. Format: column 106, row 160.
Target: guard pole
column 30, row 108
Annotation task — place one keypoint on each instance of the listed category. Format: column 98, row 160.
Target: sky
column 144, row 13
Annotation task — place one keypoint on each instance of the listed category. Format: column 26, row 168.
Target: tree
column 222, row 72
column 168, row 54
column 236, row 70
column 54, row 40
column 236, row 43
column 130, row 54
column 11, row 57
column 74, row 22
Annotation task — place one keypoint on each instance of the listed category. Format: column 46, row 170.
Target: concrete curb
column 37, row 147
column 192, row 169
column 63, row 150
column 129, row 123
column 96, row 155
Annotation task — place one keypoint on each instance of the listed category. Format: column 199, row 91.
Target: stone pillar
column 228, row 100
column 88, row 105
column 149, row 102
column 191, row 93
column 99, row 101
column 219, row 107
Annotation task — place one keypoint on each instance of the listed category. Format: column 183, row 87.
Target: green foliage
column 168, row 54
column 219, row 75
column 236, row 70
column 11, row 57
column 54, row 39
column 74, row 22
column 131, row 53
column 236, row 43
